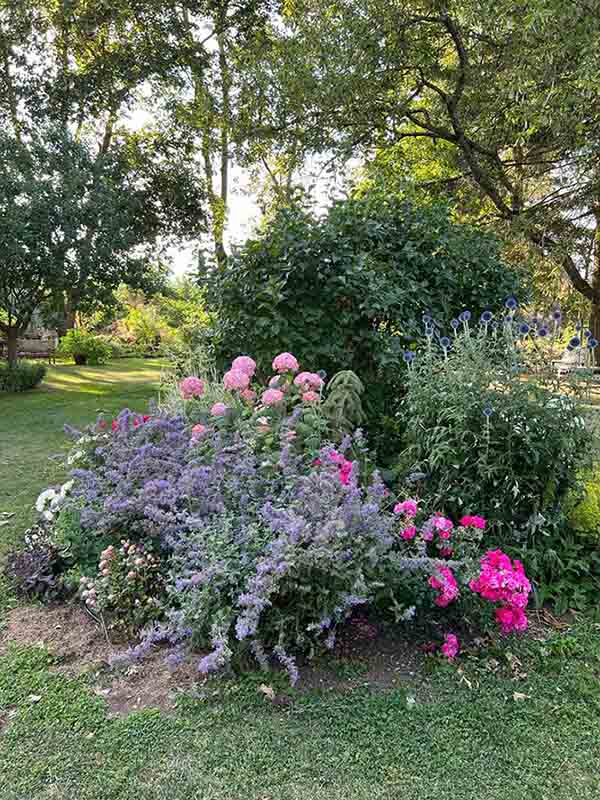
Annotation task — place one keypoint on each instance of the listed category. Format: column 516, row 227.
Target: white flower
column 66, row 488
column 44, row 499
column 76, row 455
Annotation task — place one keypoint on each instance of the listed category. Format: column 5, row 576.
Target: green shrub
column 487, row 438
column 584, row 511
column 348, row 291
column 84, row 347
column 21, row 376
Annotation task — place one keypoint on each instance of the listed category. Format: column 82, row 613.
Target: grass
column 472, row 734
column 32, row 438
column 475, row 729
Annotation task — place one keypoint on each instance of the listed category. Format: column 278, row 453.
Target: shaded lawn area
column 469, row 730
column 473, row 732
column 32, row 438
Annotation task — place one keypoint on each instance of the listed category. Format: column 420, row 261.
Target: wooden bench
column 32, row 352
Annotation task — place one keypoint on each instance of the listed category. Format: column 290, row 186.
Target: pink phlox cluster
column 191, row 387
column 473, row 522
column 285, row 362
column 504, row 581
column 451, row 647
column 445, row 583
column 406, row 507
column 344, row 466
column 408, row 533
column 442, row 525
column 244, row 364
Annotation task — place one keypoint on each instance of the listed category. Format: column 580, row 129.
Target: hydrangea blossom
column 249, row 395
column 310, row 397
column 218, row 410
column 236, row 380
column 198, row 431
column 271, row 397
column 308, row 381
column 285, row 362
column 191, row 387
column 244, row 364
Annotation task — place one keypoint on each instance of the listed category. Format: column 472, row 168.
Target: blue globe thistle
column 575, row 342
column 488, row 411
column 592, row 343
column 587, row 333
column 524, row 329
column 543, row 331
column 465, row 316
column 578, row 326
column 427, row 319
column 429, row 330
column 486, row 317
column 556, row 315
column 511, row 303
column 445, row 342
column 454, row 324
column 322, row 374
column 409, row 356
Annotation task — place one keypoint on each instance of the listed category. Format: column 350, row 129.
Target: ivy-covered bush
column 483, row 433
column 21, row 376
column 84, row 347
column 348, row 291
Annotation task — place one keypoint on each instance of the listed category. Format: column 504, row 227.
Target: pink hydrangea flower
column 311, row 397
column 271, row 397
column 473, row 522
column 244, row 364
column 408, row 533
column 445, row 583
column 198, row 431
column 406, row 507
column 218, row 410
column 285, row 362
column 308, row 380
column 248, row 395
column 191, row 387
column 236, row 380
column 450, row 648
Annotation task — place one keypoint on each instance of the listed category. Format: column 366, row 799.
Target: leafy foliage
column 348, row 291
column 487, row 438
column 84, row 347
column 21, row 376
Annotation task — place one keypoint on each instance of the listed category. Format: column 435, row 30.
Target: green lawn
column 32, row 438
column 478, row 729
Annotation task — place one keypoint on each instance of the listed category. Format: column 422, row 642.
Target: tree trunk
column 12, row 346
column 595, row 281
